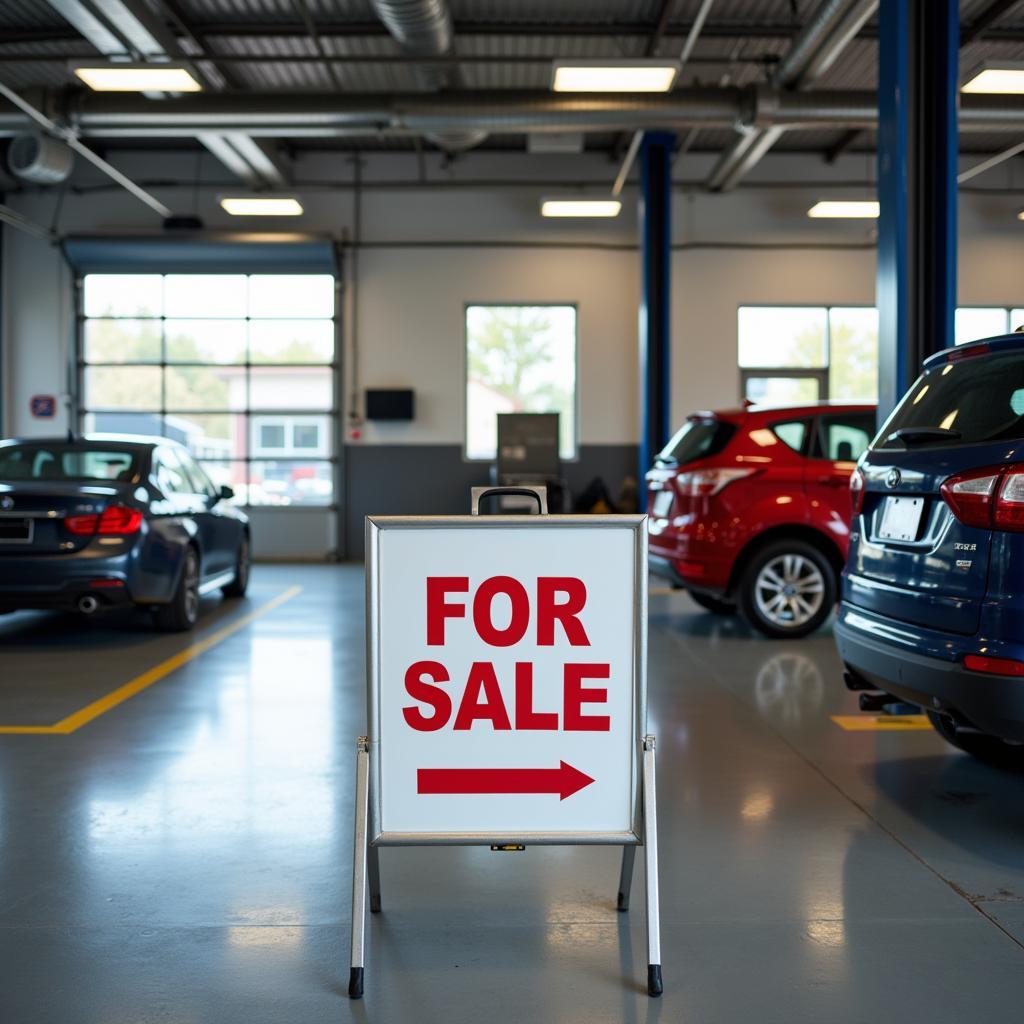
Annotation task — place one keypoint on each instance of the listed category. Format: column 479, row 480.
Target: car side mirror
column 225, row 493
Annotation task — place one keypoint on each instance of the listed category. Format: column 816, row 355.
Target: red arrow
column 563, row 780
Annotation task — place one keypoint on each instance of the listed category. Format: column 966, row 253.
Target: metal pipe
column 69, row 137
column 987, row 165
column 110, row 115
column 30, row 227
column 423, row 28
column 815, row 49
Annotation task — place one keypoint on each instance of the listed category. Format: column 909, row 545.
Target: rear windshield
column 65, row 462
column 969, row 402
column 698, row 439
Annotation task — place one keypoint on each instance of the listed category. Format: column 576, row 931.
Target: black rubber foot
column 355, row 982
column 375, row 904
column 623, row 903
column 654, row 987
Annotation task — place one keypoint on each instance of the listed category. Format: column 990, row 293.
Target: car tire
column 713, row 604
column 981, row 745
column 243, row 563
column 182, row 612
column 788, row 589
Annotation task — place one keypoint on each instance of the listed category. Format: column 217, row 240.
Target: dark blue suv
column 933, row 593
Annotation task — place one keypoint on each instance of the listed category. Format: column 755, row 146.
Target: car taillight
column 117, row 520
column 993, row 666
column 1009, row 509
column 857, row 492
column 703, row 483
column 990, row 498
column 970, row 494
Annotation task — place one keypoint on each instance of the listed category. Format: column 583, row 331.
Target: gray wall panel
column 435, row 480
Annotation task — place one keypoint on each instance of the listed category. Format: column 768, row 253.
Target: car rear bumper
column 60, row 583
column 668, row 569
column 993, row 704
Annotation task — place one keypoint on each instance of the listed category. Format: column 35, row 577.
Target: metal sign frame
column 369, row 836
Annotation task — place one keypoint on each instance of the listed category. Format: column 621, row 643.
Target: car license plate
column 15, row 531
column 662, row 504
column 901, row 518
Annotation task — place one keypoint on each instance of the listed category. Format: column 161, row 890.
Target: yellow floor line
column 139, row 683
column 660, row 591
column 881, row 723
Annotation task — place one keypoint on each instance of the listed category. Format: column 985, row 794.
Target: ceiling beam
column 985, row 21
column 120, row 28
column 515, row 30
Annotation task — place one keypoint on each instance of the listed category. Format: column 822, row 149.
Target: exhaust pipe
column 87, row 604
column 855, row 682
column 876, row 701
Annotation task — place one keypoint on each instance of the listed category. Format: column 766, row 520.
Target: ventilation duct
column 39, row 159
column 423, row 28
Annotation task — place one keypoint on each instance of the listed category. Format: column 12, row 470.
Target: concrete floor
column 185, row 856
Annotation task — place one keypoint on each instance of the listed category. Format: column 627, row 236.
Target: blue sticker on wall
column 43, row 407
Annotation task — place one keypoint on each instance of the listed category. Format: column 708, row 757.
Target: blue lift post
column 655, row 308
column 917, row 188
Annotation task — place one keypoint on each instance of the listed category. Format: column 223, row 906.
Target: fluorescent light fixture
column 845, row 208
column 261, row 206
column 137, row 78
column 580, row 207
column 613, row 75
column 1020, row 216
column 996, row 77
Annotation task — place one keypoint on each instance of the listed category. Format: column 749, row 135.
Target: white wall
column 411, row 316
column 708, row 286
column 416, row 272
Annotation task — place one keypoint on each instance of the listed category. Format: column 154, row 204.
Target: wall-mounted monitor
column 389, row 403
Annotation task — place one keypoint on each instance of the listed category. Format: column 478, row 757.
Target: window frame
column 822, row 374
column 332, row 442
column 464, row 398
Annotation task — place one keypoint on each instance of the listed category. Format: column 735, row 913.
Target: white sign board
column 507, row 677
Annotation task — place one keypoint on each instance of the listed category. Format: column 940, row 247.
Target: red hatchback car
column 750, row 509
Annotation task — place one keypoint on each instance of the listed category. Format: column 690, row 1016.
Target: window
column 519, row 359
column 697, row 439
column 792, row 433
column 306, row 436
column 973, row 401
column 170, row 477
column 272, row 436
column 845, row 437
column 65, row 462
column 238, row 368
column 791, row 355
column 973, row 322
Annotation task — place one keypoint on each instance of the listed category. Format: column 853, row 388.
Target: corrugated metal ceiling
column 511, row 43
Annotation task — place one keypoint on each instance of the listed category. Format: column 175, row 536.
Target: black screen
column 389, row 403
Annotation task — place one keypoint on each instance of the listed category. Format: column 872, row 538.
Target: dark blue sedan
column 106, row 521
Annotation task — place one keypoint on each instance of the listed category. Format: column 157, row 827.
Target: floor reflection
column 789, row 688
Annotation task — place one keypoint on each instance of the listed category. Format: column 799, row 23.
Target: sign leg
column 654, row 983
column 355, row 977
column 626, row 876
column 373, row 871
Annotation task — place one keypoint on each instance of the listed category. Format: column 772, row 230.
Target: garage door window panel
column 110, row 340
column 206, row 341
column 216, row 357
column 123, row 387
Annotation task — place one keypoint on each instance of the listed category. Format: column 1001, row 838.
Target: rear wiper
column 922, row 435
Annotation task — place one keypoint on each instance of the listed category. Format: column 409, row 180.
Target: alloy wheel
column 789, row 590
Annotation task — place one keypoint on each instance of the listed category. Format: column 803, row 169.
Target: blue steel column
column 655, row 328
column 917, row 168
